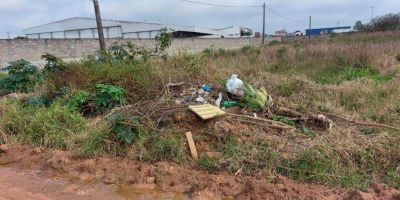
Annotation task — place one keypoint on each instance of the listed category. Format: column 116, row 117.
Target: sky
column 291, row 15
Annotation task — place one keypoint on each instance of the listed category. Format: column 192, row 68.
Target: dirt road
column 37, row 173
column 32, row 185
column 21, row 185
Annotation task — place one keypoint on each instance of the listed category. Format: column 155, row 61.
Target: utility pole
column 99, row 25
column 8, row 35
column 372, row 12
column 309, row 29
column 263, row 32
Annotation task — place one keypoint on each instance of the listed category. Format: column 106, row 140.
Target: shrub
column 109, row 96
column 125, row 128
column 79, row 100
column 53, row 64
column 22, row 77
column 131, row 53
column 398, row 56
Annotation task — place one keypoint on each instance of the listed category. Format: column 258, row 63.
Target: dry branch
column 361, row 123
column 274, row 126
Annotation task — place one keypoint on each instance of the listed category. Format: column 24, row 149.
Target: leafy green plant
column 125, row 128
column 109, row 96
column 78, row 100
column 131, row 53
column 22, row 77
column 34, row 101
column 53, row 64
column 306, row 131
column 164, row 40
column 283, row 119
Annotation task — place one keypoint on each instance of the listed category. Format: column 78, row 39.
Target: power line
column 239, row 6
column 282, row 16
column 222, row 5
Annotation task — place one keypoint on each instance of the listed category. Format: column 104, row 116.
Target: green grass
column 317, row 166
column 42, row 126
column 289, row 88
column 207, row 163
column 164, row 148
column 338, row 76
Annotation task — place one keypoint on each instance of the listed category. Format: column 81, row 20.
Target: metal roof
column 81, row 23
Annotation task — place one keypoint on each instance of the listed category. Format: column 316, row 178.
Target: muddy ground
column 37, row 173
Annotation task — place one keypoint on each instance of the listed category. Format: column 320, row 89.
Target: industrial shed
column 80, row 28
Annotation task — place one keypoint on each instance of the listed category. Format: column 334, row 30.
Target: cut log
column 192, row 147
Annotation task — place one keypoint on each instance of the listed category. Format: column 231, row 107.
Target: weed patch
column 348, row 74
column 207, row 163
column 289, row 88
column 42, row 126
column 164, row 148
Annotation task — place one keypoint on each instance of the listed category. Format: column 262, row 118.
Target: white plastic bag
column 218, row 101
column 235, row 86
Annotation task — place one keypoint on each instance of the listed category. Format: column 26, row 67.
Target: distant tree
column 383, row 23
column 359, row 26
column 387, row 22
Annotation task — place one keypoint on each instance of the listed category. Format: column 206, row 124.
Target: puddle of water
column 132, row 193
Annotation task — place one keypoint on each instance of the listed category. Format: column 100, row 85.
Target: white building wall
column 58, row 35
column 45, row 35
column 76, row 28
column 87, row 33
column 72, row 34
column 115, row 32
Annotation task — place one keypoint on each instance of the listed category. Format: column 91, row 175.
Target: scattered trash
column 207, row 111
column 229, row 104
column 235, row 86
column 255, row 99
column 178, row 101
column 218, row 101
column 206, row 88
column 200, row 100
column 192, row 146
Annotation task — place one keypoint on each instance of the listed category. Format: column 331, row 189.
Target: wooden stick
column 175, row 84
column 360, row 123
column 192, row 147
column 274, row 126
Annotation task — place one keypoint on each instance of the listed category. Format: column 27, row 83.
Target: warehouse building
column 80, row 28
column 326, row 31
